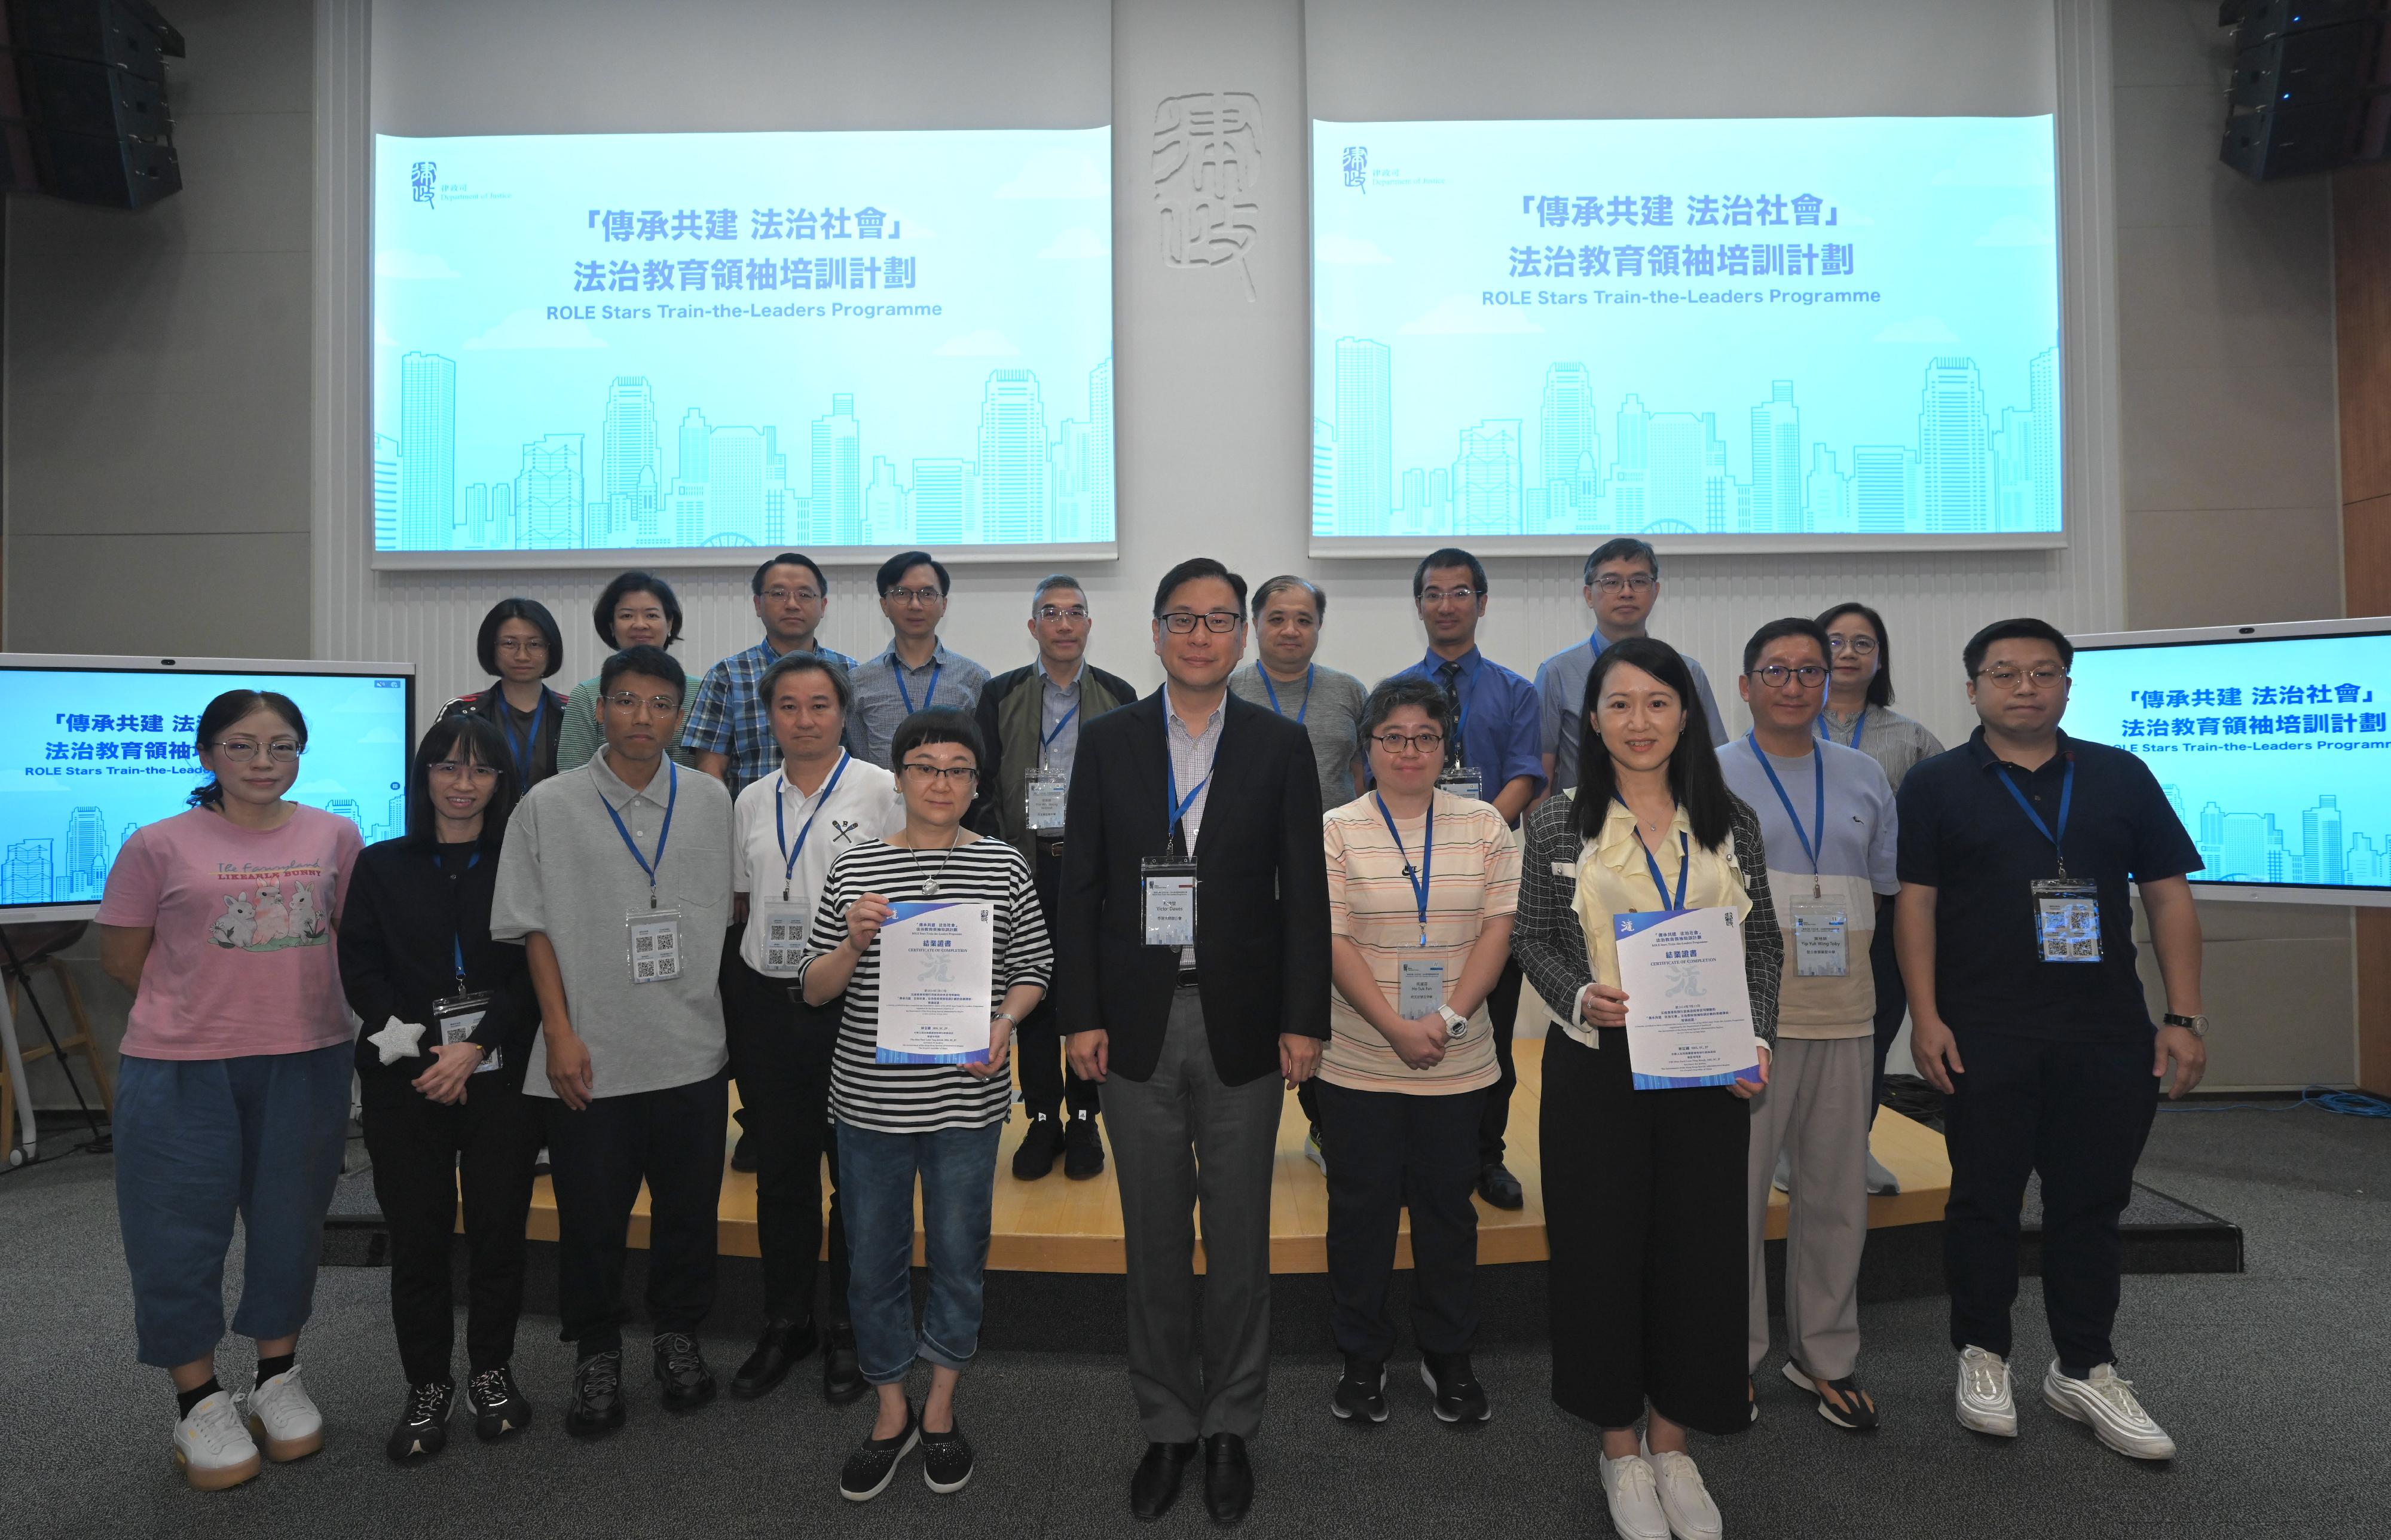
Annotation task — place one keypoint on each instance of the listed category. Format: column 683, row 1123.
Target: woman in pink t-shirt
column 232, row 1095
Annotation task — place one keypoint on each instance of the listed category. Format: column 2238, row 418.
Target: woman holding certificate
column 1651, row 867
column 936, row 936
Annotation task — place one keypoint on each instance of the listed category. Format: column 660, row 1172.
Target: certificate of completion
column 937, row 961
column 1688, row 1009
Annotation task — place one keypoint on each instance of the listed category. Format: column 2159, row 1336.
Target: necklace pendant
column 930, row 888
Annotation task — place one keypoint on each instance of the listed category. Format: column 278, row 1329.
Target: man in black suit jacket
column 1193, row 1046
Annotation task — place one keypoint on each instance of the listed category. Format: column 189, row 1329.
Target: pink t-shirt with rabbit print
column 243, row 960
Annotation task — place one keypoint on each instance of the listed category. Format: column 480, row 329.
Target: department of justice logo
column 424, row 178
column 1357, row 166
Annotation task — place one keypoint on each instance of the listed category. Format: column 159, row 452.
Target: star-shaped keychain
column 397, row 1040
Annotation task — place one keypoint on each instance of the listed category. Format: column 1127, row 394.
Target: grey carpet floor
column 2266, row 1379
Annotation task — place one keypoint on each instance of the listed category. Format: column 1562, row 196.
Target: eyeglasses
column 1860, row 646
column 1440, row 595
column 528, row 645
column 912, row 596
column 1395, row 743
column 453, row 768
column 242, row 751
column 1183, row 622
column 791, row 596
column 1810, row 675
column 663, row 705
column 1059, row 612
column 1611, row 582
column 2006, row 679
column 953, row 775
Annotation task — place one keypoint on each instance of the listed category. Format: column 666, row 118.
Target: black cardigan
column 405, row 915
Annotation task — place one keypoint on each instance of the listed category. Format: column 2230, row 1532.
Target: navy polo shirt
column 1964, row 836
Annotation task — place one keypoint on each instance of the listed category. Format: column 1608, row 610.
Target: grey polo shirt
column 1561, row 698
column 1331, row 715
column 887, row 692
column 565, row 873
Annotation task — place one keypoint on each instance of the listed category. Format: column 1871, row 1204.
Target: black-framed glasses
column 1809, row 676
column 1429, row 742
column 2007, row 679
column 663, row 705
column 1611, row 582
column 1183, row 622
column 242, row 751
column 954, row 775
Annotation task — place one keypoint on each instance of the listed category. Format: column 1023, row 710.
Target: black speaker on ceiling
column 82, row 101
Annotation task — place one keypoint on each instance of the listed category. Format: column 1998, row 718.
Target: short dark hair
column 788, row 558
column 1390, row 695
column 1971, row 657
column 1289, row 579
column 652, row 661
column 1448, row 555
column 1694, row 776
column 842, row 685
column 1187, row 572
column 935, row 724
column 893, row 570
column 636, row 582
column 1051, row 581
column 477, row 740
column 1879, row 691
column 485, row 646
column 229, row 708
column 1626, row 547
column 1774, row 631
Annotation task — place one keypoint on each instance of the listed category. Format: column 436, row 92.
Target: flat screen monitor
column 95, row 747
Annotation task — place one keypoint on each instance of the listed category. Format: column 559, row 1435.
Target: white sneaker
column 2107, row 1402
column 1313, row 1153
column 1882, row 1183
column 286, row 1424
column 212, row 1447
column 1684, row 1500
column 1629, row 1486
column 1783, row 1180
column 1984, row 1402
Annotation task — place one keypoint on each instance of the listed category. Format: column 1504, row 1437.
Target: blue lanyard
column 1419, row 878
column 1819, row 818
column 1685, row 864
column 2066, row 799
column 1179, row 804
column 1047, row 741
column 672, row 796
column 530, row 746
column 1302, row 711
column 457, row 941
column 927, row 696
column 1859, row 727
column 781, row 823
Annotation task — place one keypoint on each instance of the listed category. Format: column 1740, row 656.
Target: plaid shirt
column 728, row 718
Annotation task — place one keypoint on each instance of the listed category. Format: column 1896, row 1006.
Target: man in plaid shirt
column 729, row 728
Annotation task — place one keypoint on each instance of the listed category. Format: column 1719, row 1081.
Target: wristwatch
column 1456, row 1025
column 2196, row 1025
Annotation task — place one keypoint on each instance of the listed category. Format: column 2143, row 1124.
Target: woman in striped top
column 938, row 1121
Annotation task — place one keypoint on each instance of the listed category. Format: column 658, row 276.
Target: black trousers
column 1892, row 1001
column 2077, row 1112
column 1643, row 1208
column 671, row 1139
column 781, row 1051
column 1395, row 1152
column 422, row 1154
column 1047, row 1083
column 1503, row 1008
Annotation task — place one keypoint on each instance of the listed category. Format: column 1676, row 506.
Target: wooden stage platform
column 1059, row 1225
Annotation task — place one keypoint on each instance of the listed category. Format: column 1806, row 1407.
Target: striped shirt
column 923, row 1098
column 1473, row 876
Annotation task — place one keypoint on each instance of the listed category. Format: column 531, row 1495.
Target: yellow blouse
column 1612, row 878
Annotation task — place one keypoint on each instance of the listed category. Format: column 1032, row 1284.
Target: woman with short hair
column 519, row 647
column 635, row 609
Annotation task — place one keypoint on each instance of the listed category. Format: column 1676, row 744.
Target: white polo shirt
column 862, row 807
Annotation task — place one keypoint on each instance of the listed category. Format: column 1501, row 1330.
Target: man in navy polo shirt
column 2020, row 850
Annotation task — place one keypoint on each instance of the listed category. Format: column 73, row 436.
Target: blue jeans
column 200, row 1140
column 875, row 1182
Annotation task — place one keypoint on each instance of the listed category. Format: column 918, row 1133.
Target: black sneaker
column 1363, row 1393
column 1459, row 1396
column 946, row 1460
column 1498, row 1186
column 868, row 1470
column 597, row 1395
column 499, row 1410
column 423, row 1430
column 743, row 1153
column 842, row 1375
column 1039, row 1147
column 1083, row 1148
column 689, row 1384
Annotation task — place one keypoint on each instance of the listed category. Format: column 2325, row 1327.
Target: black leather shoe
column 1156, row 1486
column 1038, row 1148
column 1228, row 1479
column 1498, row 1186
column 777, row 1351
column 841, row 1376
column 1083, row 1148
column 597, row 1395
column 688, row 1383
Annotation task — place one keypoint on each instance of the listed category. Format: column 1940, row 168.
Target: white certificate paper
column 1688, row 1009
column 937, row 961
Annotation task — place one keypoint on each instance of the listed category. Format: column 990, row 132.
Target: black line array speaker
column 82, row 101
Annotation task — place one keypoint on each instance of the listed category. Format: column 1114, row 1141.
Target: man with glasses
column 1827, row 822
column 1030, row 721
column 1492, row 756
column 2020, row 853
column 917, row 671
column 1191, row 947
column 1623, row 584
column 617, row 879
column 729, row 729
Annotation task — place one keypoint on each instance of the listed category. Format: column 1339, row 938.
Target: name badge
column 2067, row 920
column 1462, row 781
column 784, row 926
column 458, row 1017
column 1420, row 987
column 1821, row 940
column 1046, row 794
column 652, row 943
column 1169, row 902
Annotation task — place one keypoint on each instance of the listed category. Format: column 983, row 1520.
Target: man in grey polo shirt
column 1826, row 819
column 917, row 671
column 1623, row 584
column 617, row 879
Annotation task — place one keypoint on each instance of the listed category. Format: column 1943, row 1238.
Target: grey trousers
column 1815, row 1107
column 1181, row 1138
